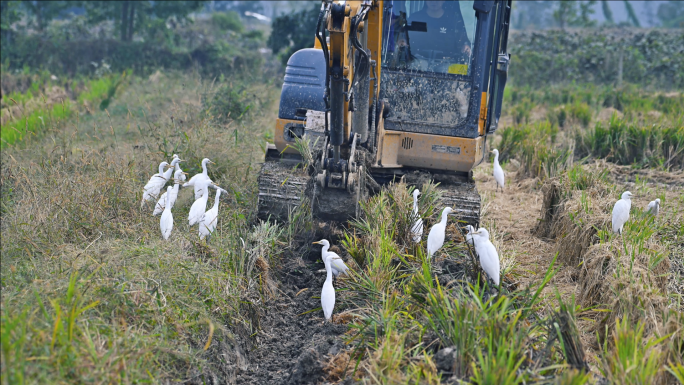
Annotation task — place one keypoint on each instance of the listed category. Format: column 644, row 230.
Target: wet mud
column 292, row 347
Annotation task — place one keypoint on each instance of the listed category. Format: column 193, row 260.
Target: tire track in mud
column 291, row 347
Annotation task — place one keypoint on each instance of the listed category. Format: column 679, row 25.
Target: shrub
column 230, row 102
column 254, row 34
column 227, row 21
column 650, row 57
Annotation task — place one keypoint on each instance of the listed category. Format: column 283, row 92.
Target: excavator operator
column 435, row 32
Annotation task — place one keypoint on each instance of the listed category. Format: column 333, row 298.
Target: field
column 92, row 294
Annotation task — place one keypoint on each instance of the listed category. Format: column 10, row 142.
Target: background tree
column 10, row 12
column 574, row 14
column 607, row 13
column 132, row 16
column 532, row 14
column 293, row 32
column 585, row 12
column 671, row 14
column 238, row 6
column 42, row 12
column 631, row 15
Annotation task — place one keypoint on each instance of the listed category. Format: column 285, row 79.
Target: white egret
column 417, row 229
column 207, row 224
column 155, row 184
column 336, row 263
column 197, row 181
column 161, row 203
column 172, row 166
column 489, row 258
column 198, row 208
column 435, row 239
column 328, row 292
column 469, row 234
column 498, row 171
column 621, row 211
column 166, row 221
column 177, row 168
column 654, row 206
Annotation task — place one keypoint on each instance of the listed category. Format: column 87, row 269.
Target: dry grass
column 614, row 277
column 104, row 298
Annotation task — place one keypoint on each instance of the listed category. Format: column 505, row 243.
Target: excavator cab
column 391, row 89
column 441, row 60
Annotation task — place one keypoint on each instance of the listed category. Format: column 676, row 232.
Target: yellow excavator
column 391, row 89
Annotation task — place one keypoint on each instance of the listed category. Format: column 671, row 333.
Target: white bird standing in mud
column 498, row 171
column 328, row 292
column 166, row 221
column 198, row 208
column 621, row 211
column 417, row 229
column 489, row 258
column 654, row 207
column 169, row 197
column 198, row 180
column 469, row 234
column 336, row 263
column 207, row 224
column 435, row 239
column 155, row 184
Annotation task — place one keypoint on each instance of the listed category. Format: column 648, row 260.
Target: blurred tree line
column 76, row 37
column 129, row 17
column 541, row 14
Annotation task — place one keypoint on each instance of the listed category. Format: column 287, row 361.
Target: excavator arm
column 425, row 120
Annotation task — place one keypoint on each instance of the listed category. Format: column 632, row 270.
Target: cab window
column 430, row 36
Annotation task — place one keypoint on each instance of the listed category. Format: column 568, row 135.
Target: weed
column 631, row 361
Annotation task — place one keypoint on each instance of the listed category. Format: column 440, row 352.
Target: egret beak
column 185, row 173
column 212, row 162
column 316, row 243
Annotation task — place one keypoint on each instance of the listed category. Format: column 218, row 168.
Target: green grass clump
column 583, row 100
column 534, row 147
column 41, row 119
column 626, row 143
column 581, row 179
column 631, row 361
column 51, row 117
